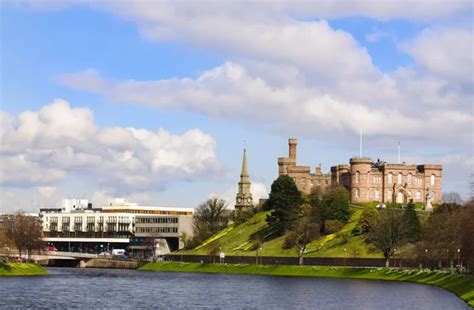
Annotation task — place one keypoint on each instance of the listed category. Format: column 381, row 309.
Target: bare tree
column 388, row 232
column 305, row 229
column 467, row 233
column 6, row 244
column 210, row 217
column 452, row 198
column 25, row 231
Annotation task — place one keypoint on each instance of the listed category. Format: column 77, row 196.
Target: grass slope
column 21, row 269
column 235, row 240
column 459, row 285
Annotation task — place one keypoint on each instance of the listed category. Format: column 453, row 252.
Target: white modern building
column 87, row 229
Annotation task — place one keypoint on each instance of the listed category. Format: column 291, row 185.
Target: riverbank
column 461, row 286
column 21, row 269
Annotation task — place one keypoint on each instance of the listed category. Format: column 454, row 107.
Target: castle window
column 376, row 194
column 418, row 195
column 357, row 177
column 409, row 178
column 367, row 194
column 389, row 195
column 389, row 178
column 432, row 180
column 399, row 178
column 357, row 193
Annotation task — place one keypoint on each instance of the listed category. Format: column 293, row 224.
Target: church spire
column 243, row 198
column 244, row 172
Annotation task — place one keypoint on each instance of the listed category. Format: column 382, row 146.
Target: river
column 130, row 289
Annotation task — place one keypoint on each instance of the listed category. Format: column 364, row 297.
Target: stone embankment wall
column 110, row 263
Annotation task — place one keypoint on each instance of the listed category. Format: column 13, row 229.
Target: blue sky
column 192, row 70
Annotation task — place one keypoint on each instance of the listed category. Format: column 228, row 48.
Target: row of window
column 378, row 179
column 90, row 227
column 376, row 194
column 157, row 229
column 156, row 220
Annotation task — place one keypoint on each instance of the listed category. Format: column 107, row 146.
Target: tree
column 441, row 234
column 209, row 218
column 284, row 200
column 335, row 205
column 25, row 231
column 305, row 229
column 452, row 198
column 467, row 234
column 6, row 244
column 411, row 223
column 366, row 220
column 388, row 232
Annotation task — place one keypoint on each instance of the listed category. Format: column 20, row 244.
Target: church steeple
column 244, row 172
column 244, row 196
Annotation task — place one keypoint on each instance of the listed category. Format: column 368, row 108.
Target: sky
column 155, row 101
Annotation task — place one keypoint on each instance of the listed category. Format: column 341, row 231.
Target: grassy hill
column 236, row 240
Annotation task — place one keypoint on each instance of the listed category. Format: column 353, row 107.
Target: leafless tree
column 305, row 229
column 452, row 198
column 6, row 244
column 210, row 217
column 25, row 231
column 388, row 232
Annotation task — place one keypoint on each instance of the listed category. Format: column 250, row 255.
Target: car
column 381, row 206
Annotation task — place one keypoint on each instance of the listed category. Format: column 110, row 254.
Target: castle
column 369, row 181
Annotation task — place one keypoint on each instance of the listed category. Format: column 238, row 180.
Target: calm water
column 129, row 289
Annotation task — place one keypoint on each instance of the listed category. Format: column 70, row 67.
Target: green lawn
column 459, row 285
column 235, row 240
column 21, row 269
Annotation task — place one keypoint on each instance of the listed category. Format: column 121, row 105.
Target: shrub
column 243, row 216
column 289, row 241
column 332, row 226
column 366, row 220
column 343, row 237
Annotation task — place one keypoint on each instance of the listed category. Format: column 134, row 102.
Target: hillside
column 236, row 240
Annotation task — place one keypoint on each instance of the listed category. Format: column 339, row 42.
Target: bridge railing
column 71, row 254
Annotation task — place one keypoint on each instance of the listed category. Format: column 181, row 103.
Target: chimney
column 292, row 146
column 318, row 169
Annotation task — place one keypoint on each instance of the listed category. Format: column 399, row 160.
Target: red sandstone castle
column 369, row 181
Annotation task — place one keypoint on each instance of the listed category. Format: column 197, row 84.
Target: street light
column 345, row 257
column 459, row 258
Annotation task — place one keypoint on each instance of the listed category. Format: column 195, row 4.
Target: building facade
column 369, row 181
column 244, row 198
column 379, row 181
column 304, row 179
column 103, row 229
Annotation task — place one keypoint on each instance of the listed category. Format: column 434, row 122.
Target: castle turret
column 292, row 143
column 244, row 196
column 360, row 168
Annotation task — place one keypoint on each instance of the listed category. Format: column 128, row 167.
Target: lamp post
column 459, row 258
column 345, row 256
column 395, row 257
column 426, row 255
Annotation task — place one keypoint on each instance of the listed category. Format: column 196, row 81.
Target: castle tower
column 244, row 196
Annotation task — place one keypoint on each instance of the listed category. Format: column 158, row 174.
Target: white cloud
column 60, row 142
column 445, row 52
column 229, row 91
column 99, row 198
column 47, row 191
column 376, row 36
